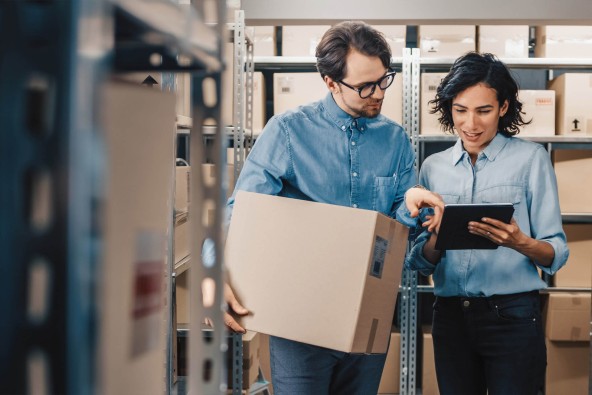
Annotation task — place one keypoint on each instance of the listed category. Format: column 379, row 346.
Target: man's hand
column 233, row 305
column 417, row 198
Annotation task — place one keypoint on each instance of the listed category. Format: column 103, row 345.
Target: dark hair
column 337, row 42
column 469, row 70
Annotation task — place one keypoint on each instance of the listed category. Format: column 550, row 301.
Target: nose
column 470, row 121
column 378, row 93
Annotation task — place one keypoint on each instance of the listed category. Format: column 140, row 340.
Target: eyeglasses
column 368, row 89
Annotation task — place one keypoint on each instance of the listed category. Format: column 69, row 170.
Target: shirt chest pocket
column 385, row 193
column 501, row 194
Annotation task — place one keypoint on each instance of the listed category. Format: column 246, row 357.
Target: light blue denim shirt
column 320, row 153
column 507, row 170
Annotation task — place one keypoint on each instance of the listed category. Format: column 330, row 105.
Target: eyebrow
column 370, row 82
column 478, row 108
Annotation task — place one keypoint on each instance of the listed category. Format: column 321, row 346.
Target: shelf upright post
column 53, row 54
column 408, row 291
column 207, row 354
column 238, row 116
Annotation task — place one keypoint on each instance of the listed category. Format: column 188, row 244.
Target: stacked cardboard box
column 575, row 196
column 539, row 108
column 573, row 94
column 389, row 382
column 578, row 270
column 567, row 330
column 446, row 41
column 428, row 123
column 510, row 41
column 429, row 384
column 563, row 42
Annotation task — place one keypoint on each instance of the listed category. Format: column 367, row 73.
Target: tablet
column 454, row 233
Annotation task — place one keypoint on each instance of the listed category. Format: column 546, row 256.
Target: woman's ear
column 504, row 108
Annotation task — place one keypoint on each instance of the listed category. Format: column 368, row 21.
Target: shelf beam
column 419, row 12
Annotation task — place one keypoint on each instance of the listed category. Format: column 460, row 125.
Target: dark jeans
column 304, row 369
column 491, row 345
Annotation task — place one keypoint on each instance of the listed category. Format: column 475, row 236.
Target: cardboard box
column 391, row 374
column 183, row 94
column 573, row 95
column 429, row 383
column 333, row 271
column 538, row 107
column 264, row 41
column 182, row 174
column 445, row 41
column 136, row 219
column 209, row 175
column 396, row 36
column 291, row 90
column 575, row 196
column 568, row 368
column 567, row 316
column 510, row 41
column 295, row 89
column 181, row 236
column 183, row 302
column 301, row 40
column 563, row 42
column 428, row 123
column 259, row 118
column 251, row 350
column 578, row 270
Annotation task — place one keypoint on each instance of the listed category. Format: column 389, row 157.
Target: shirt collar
column 342, row 119
column 490, row 152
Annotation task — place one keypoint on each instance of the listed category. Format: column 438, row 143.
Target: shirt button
column 354, row 205
column 466, row 303
column 362, row 128
column 343, row 127
column 353, row 143
column 354, row 174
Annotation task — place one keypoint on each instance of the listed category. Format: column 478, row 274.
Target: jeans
column 304, row 369
column 491, row 345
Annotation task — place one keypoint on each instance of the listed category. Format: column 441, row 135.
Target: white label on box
column 286, row 85
column 147, row 300
column 380, row 249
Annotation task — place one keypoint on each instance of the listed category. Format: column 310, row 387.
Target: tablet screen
column 454, row 233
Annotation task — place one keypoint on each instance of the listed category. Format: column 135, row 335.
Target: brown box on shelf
column 251, row 352
column 539, row 108
column 563, row 42
column 301, row 40
column 182, row 298
column 209, row 174
column 575, row 196
column 389, row 382
column 181, row 236
column 264, row 40
column 509, row 41
column 429, row 383
column 135, row 221
column 573, row 94
column 568, row 367
column 336, row 268
column 395, row 36
column 567, row 316
column 428, row 123
column 445, row 41
column 182, row 188
column 578, row 270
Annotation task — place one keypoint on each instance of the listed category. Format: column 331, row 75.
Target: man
column 338, row 150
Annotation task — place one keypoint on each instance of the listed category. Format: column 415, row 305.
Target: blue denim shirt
column 507, row 170
column 318, row 152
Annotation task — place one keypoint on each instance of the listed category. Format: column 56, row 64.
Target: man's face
column 361, row 69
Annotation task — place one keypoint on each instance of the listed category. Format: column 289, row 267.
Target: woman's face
column 476, row 113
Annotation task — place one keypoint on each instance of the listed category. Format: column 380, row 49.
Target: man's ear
column 331, row 84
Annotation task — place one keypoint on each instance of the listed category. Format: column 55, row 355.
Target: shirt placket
column 354, row 171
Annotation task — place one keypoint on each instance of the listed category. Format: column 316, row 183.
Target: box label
column 380, row 248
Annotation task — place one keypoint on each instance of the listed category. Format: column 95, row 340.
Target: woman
column 487, row 330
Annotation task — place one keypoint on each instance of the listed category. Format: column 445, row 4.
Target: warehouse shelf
column 549, row 290
column 182, row 266
column 152, row 28
column 519, row 63
column 577, row 218
column 305, row 62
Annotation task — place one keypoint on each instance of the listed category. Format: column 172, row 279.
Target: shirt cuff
column 561, row 255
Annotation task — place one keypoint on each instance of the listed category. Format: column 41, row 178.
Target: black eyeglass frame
column 373, row 84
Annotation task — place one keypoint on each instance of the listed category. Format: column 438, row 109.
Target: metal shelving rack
column 51, row 157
